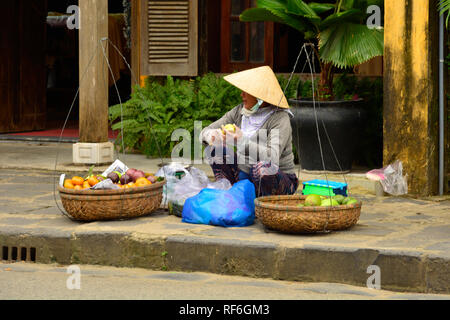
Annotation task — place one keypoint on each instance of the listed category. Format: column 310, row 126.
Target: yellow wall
column 410, row 91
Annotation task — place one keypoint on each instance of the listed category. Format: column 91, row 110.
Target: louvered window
column 169, row 33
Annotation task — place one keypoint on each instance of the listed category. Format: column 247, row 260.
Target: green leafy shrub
column 160, row 107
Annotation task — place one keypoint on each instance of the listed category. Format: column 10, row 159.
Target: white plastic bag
column 391, row 178
column 193, row 180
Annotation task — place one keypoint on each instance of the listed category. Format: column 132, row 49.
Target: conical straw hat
column 261, row 83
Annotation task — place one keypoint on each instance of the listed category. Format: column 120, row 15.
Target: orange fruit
column 77, row 181
column 141, row 182
column 78, row 187
column 93, row 181
column 86, row 185
column 68, row 184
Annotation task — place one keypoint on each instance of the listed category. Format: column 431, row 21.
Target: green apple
column 352, row 201
column 313, row 200
column 329, row 202
column 339, row 198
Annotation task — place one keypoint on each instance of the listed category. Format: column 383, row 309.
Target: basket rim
column 261, row 202
column 110, row 192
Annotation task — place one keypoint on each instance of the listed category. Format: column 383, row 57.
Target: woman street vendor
column 258, row 145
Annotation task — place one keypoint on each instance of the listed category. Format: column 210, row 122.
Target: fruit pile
column 131, row 179
column 79, row 183
column 314, row 200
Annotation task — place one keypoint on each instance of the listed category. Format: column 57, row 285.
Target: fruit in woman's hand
column 313, row 200
column 229, row 127
column 77, row 181
column 68, row 184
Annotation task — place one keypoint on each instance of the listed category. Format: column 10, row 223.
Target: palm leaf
column 266, row 14
column 339, row 18
column 272, row 4
column 444, row 8
column 349, row 44
column 320, row 8
column 259, row 14
column 300, row 8
column 347, row 4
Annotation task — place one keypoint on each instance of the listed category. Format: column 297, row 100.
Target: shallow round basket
column 94, row 205
column 282, row 214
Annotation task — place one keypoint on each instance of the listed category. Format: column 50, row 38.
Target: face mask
column 253, row 110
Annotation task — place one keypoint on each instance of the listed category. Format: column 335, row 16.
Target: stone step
column 233, row 252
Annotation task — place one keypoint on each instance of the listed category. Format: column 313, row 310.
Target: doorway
column 39, row 75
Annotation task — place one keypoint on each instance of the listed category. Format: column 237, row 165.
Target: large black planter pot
column 343, row 122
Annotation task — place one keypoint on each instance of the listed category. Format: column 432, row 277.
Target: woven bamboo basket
column 281, row 213
column 95, row 205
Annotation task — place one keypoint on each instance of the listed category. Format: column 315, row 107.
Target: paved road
column 393, row 231
column 35, row 281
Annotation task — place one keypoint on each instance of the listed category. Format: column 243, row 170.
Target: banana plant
column 338, row 32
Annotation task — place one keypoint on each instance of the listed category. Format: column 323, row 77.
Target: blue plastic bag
column 227, row 208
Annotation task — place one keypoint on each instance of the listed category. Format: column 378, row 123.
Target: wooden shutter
column 169, row 37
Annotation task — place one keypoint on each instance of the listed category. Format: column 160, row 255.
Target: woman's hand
column 213, row 136
column 230, row 135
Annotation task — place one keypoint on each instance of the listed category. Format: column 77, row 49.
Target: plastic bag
column 189, row 183
column 391, row 178
column 226, row 208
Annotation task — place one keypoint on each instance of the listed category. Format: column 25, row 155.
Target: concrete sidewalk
column 408, row 239
column 48, row 156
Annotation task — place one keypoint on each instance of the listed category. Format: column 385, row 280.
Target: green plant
column 339, row 28
column 291, row 90
column 160, row 107
column 444, row 8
